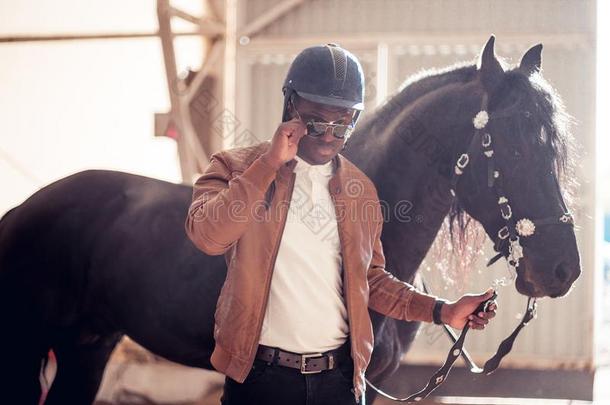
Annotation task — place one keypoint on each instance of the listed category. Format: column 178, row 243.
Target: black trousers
column 271, row 384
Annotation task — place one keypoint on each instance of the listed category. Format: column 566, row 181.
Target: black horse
column 100, row 254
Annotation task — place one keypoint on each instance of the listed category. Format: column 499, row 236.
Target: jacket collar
column 302, row 166
column 338, row 178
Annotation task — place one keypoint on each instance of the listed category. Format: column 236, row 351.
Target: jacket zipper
column 270, row 272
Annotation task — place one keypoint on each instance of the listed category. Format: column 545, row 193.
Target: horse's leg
column 22, row 341
column 20, row 372
column 80, row 367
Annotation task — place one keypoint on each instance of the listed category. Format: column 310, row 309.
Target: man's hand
column 457, row 314
column 285, row 142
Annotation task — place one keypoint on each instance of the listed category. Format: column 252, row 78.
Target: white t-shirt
column 306, row 311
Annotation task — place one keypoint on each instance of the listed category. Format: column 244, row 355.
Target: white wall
column 72, row 105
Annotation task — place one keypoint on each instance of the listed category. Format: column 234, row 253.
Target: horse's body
column 96, row 255
column 100, row 254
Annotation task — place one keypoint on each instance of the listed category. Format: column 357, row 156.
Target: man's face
column 322, row 149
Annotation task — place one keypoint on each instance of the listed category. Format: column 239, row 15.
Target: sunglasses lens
column 342, row 131
column 315, row 128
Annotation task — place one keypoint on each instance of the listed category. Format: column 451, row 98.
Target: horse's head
column 510, row 179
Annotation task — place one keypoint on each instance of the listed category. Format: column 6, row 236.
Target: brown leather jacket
column 239, row 208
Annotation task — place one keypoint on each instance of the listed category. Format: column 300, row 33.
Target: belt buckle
column 304, row 358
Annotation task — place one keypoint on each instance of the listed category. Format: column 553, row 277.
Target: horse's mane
column 459, row 234
column 414, row 87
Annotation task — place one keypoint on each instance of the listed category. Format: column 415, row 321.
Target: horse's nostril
column 561, row 273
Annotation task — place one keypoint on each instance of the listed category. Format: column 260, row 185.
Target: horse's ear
column 531, row 60
column 490, row 70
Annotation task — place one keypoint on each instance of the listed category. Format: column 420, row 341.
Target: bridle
column 512, row 230
column 508, row 235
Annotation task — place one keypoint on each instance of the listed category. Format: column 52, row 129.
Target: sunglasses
column 316, row 129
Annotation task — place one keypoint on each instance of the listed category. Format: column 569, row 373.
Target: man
column 304, row 255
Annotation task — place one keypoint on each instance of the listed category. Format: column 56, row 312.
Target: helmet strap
column 288, row 95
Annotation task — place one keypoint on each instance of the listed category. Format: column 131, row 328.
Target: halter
column 509, row 234
column 513, row 229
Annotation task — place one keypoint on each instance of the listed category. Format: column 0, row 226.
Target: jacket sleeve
column 392, row 297
column 222, row 207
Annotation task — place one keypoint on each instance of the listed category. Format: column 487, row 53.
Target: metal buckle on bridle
column 486, row 142
column 503, row 233
column 506, row 211
column 304, row 358
column 462, row 163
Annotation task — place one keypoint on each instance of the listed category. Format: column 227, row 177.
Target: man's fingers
column 481, row 321
column 486, row 315
column 478, row 320
column 294, row 133
column 292, row 127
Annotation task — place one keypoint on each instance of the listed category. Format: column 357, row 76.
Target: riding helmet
column 326, row 74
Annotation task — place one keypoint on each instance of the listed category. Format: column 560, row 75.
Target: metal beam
column 267, row 18
column 360, row 40
column 211, row 7
column 184, row 15
column 79, row 37
column 229, row 72
column 210, row 60
column 179, row 110
column 207, row 26
column 383, row 61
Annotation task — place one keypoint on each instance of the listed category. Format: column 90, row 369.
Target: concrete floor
column 135, row 376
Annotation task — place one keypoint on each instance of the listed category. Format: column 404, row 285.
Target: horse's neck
column 410, row 165
column 424, row 195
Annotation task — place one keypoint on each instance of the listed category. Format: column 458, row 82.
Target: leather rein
column 506, row 243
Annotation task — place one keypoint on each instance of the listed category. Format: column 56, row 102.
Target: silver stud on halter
column 461, row 164
column 525, row 227
column 481, row 119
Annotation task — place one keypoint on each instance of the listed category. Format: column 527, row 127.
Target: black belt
column 309, row 363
